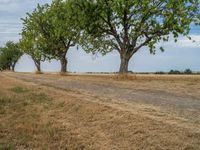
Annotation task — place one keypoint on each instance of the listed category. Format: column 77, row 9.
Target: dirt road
column 179, row 95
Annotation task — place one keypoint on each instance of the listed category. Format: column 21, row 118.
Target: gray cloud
column 10, row 13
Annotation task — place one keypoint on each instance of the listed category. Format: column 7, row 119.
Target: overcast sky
column 181, row 55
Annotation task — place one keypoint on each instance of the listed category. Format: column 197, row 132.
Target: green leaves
column 32, row 41
column 9, row 55
column 106, row 25
column 49, row 31
column 132, row 24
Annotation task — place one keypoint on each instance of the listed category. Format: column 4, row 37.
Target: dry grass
column 63, row 73
column 41, row 117
column 38, row 72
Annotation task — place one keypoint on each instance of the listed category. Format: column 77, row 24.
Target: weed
column 4, row 101
column 19, row 89
column 39, row 98
column 6, row 147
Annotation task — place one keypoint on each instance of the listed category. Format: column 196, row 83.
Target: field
column 75, row 112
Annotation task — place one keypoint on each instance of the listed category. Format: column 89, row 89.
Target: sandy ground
column 106, row 112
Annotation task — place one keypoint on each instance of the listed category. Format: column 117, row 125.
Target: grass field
column 74, row 112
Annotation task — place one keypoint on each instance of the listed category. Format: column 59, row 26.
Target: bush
column 174, row 72
column 188, row 71
column 160, row 72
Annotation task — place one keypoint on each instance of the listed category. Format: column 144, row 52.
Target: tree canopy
column 129, row 25
column 49, row 32
column 101, row 26
column 32, row 41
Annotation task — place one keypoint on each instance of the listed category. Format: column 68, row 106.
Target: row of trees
column 102, row 26
column 186, row 71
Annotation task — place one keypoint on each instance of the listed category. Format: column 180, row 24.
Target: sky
column 181, row 55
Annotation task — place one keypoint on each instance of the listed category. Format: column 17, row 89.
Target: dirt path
column 182, row 105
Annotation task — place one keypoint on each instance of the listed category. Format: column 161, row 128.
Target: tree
column 4, row 65
column 32, row 42
column 188, row 71
column 129, row 25
column 9, row 55
column 54, row 30
column 59, row 31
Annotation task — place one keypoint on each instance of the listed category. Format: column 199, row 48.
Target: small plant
column 19, row 89
column 6, row 147
column 39, row 98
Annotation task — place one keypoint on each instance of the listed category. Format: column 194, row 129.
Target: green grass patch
column 6, row 147
column 41, row 98
column 19, row 89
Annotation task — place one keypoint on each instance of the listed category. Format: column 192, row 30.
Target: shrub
column 159, row 72
column 188, row 71
column 175, row 72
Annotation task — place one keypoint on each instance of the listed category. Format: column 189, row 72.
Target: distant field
column 50, row 111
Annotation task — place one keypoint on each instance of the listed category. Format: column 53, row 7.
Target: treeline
column 99, row 26
column 186, row 71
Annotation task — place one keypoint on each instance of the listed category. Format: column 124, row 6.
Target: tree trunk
column 124, row 63
column 63, row 62
column 13, row 66
column 38, row 65
column 8, row 67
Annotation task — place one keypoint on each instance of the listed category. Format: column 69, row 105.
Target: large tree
column 9, row 55
column 129, row 25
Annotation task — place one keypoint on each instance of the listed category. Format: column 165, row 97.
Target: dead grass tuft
column 63, row 73
column 38, row 72
column 39, row 98
column 124, row 77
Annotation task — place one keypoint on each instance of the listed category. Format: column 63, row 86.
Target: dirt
column 105, row 112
